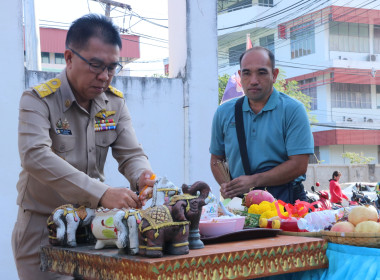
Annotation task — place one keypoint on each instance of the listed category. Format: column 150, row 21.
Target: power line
column 277, row 46
column 299, row 3
column 143, row 43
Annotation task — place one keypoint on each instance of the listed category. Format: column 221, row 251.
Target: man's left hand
column 237, row 186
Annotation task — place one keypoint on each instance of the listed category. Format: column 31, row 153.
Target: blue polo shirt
column 281, row 129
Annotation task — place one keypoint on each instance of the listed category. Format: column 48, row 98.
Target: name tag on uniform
column 63, row 131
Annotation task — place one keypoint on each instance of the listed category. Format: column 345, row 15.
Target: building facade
column 52, row 43
column 332, row 49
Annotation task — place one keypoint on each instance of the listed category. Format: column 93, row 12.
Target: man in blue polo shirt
column 274, row 131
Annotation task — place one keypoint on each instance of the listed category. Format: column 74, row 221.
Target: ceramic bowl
column 239, row 222
column 216, row 227
column 219, row 226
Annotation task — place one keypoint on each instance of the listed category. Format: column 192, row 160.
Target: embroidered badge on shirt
column 63, row 127
column 104, row 125
column 103, row 114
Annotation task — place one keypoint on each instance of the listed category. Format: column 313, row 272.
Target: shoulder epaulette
column 115, row 91
column 48, row 87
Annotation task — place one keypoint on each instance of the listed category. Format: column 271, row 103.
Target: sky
column 148, row 18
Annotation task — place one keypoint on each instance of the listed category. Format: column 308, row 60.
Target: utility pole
column 110, row 3
column 32, row 37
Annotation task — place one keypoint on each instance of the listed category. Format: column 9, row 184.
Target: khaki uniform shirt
column 62, row 155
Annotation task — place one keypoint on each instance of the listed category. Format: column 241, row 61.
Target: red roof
column 53, row 40
column 346, row 137
column 342, row 75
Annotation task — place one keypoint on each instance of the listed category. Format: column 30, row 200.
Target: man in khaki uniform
column 66, row 126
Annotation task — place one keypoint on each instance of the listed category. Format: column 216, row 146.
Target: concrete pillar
column 32, row 36
column 193, row 57
column 12, row 85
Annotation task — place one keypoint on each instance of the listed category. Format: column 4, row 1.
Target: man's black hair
column 92, row 25
column 270, row 54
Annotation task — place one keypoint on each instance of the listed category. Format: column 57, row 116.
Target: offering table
column 245, row 259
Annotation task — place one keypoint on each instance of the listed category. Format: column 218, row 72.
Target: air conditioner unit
column 372, row 57
column 349, row 119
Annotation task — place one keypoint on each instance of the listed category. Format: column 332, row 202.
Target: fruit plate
column 371, row 240
column 245, row 234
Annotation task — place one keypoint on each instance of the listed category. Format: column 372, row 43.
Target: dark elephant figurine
column 203, row 190
column 166, row 227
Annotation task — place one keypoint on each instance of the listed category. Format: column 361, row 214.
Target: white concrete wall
column 12, row 83
column 195, row 60
column 336, row 152
column 157, row 115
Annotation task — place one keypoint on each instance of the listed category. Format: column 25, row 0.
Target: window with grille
column 350, row 96
column 350, row 37
column 308, row 87
column 45, row 58
column 378, row 96
column 302, row 39
column 376, row 39
column 233, row 5
column 316, row 157
column 266, row 3
column 234, row 54
column 59, row 58
column 267, row 42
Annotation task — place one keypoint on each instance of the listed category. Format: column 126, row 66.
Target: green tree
column 355, row 158
column 292, row 89
column 222, row 82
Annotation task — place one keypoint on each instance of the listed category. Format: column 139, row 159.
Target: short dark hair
column 336, row 174
column 256, row 48
column 92, row 25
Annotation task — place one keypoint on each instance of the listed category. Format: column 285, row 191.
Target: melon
column 363, row 213
column 368, row 227
column 257, row 196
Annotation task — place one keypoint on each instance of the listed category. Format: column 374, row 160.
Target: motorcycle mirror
column 312, row 188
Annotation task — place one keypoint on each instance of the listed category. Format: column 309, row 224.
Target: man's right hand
column 120, row 198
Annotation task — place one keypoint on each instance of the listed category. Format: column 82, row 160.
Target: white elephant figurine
column 126, row 223
column 65, row 221
column 163, row 190
column 115, row 227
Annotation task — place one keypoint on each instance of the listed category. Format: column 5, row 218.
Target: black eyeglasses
column 98, row 67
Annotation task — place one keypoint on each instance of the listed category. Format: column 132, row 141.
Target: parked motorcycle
column 324, row 198
column 361, row 198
